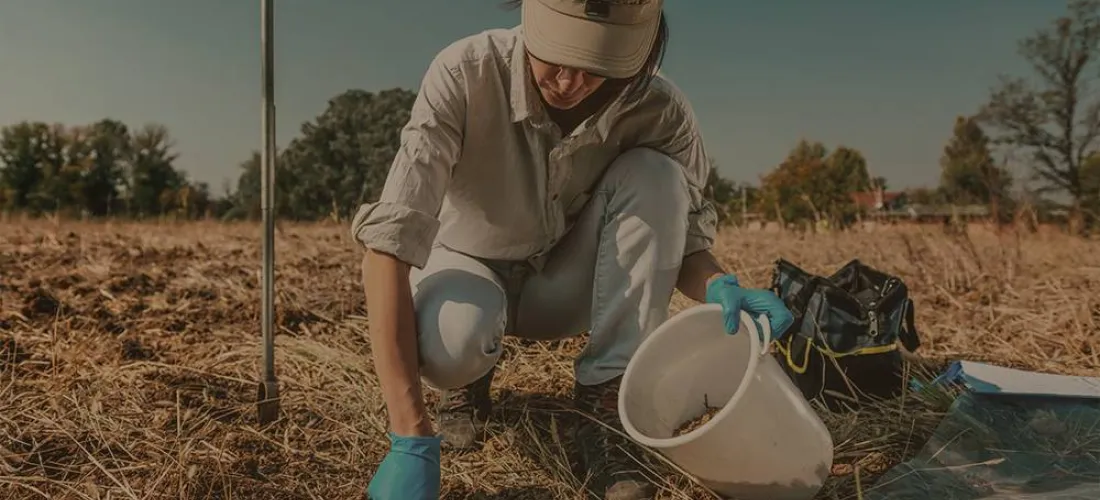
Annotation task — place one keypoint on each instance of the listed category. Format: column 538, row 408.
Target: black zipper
column 872, row 316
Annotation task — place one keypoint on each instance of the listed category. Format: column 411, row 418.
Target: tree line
column 1045, row 124
column 99, row 169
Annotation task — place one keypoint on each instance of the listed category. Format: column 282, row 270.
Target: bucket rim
column 757, row 350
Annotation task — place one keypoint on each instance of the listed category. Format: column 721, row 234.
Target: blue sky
column 885, row 77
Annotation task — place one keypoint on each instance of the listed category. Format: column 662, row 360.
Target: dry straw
column 128, row 357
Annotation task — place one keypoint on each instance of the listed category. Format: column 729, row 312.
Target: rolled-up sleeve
column 684, row 143
column 404, row 221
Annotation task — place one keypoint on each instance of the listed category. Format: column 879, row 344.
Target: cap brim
column 610, row 50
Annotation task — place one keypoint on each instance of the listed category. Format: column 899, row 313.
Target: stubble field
column 129, row 355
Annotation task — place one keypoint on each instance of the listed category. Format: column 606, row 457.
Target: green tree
column 846, row 173
column 787, row 190
column 152, row 173
column 729, row 197
column 188, row 201
column 98, row 169
column 246, row 201
column 847, row 170
column 721, row 192
column 1090, row 184
column 342, row 157
column 36, row 173
column 968, row 172
column 1054, row 117
column 22, row 152
column 879, row 183
column 813, row 184
column 102, row 163
column 746, row 198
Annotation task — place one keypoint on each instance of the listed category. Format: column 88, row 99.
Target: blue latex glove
column 725, row 290
column 410, row 470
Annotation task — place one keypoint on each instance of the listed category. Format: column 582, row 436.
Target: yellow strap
column 858, row 352
column 786, row 351
column 790, row 362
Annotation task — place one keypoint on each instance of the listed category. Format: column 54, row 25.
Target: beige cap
column 610, row 38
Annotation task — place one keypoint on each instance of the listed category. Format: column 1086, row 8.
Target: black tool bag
column 842, row 349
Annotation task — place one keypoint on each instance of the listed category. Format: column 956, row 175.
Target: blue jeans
column 613, row 275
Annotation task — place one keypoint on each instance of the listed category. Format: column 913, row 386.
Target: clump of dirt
column 134, row 350
column 136, row 283
column 176, row 325
column 295, row 317
column 66, row 281
column 200, row 293
column 103, row 318
column 708, row 413
column 40, row 302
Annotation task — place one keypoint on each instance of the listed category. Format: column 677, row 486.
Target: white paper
column 990, row 379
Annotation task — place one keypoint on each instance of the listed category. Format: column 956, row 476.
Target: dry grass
column 129, row 354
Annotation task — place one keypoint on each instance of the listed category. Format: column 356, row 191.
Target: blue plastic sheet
column 1003, row 446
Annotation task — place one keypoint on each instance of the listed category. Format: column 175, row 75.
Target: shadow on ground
column 541, row 426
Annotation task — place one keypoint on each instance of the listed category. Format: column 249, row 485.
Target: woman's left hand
column 725, row 290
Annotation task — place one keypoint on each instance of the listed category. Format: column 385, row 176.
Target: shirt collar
column 521, row 92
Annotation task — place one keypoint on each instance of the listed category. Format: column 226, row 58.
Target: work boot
column 603, row 451
column 462, row 413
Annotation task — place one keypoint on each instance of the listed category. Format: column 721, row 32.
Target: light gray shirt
column 483, row 170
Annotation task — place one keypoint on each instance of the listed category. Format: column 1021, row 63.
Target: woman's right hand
column 410, row 470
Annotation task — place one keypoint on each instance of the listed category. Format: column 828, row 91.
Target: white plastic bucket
column 766, row 442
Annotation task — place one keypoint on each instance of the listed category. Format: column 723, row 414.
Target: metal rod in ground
column 268, row 393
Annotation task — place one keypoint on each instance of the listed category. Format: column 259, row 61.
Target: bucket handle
column 765, row 337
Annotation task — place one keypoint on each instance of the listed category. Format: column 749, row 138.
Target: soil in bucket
column 708, row 413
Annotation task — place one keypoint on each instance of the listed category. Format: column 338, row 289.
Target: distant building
column 896, row 205
column 963, row 212
column 880, row 201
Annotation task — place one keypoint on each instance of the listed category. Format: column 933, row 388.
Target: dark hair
column 634, row 86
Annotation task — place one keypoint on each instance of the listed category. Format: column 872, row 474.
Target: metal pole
column 268, row 397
